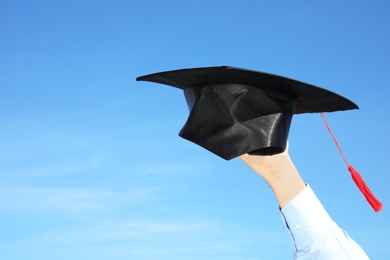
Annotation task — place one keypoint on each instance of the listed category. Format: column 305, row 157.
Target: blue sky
column 91, row 166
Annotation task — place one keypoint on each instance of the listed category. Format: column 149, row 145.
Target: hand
column 279, row 172
column 266, row 166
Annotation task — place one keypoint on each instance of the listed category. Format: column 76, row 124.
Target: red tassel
column 357, row 178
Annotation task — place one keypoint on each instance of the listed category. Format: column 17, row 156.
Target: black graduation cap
column 235, row 111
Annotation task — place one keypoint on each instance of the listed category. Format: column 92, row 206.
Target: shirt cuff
column 305, row 218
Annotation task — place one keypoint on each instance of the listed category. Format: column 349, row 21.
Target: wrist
column 285, row 182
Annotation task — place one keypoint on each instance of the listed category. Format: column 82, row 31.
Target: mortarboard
column 234, row 111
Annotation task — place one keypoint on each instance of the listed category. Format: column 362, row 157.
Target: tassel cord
column 357, row 178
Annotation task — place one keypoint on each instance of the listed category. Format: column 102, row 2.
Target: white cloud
column 152, row 239
column 171, row 168
column 68, row 199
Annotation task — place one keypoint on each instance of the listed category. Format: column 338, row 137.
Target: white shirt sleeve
column 314, row 234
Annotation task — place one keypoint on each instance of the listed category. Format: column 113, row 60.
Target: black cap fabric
column 235, row 111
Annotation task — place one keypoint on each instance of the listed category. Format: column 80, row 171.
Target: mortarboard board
column 235, row 111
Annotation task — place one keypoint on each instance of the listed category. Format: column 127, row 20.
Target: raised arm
column 314, row 233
